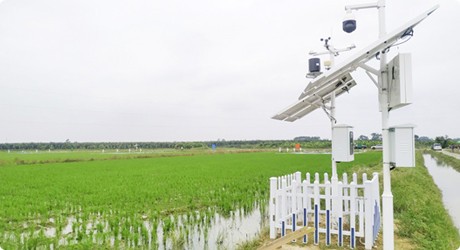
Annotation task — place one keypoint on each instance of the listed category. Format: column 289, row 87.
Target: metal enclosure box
column 402, row 145
column 400, row 81
column 314, row 65
column 342, row 143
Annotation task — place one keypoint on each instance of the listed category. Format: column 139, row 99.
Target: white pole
column 387, row 196
column 334, row 164
column 334, row 177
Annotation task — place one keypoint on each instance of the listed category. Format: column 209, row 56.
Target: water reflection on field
column 221, row 233
column 190, row 231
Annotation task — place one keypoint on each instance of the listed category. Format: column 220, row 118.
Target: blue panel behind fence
column 305, row 239
column 316, row 224
column 293, row 222
column 352, row 238
column 376, row 221
column 328, row 227
column 340, row 232
column 283, row 229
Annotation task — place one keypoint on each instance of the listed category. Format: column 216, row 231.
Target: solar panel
column 315, row 97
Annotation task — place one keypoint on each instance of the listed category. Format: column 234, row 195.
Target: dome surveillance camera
column 349, row 22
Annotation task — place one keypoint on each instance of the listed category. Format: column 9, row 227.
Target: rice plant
column 120, row 202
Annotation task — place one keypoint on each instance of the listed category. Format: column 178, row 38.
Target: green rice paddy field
column 113, row 200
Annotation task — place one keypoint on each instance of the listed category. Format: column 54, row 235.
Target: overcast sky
column 148, row 70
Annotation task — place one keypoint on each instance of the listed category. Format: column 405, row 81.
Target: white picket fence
column 334, row 207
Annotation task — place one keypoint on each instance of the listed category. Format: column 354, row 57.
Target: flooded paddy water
column 224, row 233
column 192, row 231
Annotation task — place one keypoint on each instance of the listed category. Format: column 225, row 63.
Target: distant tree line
column 307, row 138
column 306, row 142
column 243, row 144
column 446, row 142
column 420, row 141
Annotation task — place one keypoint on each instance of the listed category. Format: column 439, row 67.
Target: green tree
column 376, row 137
column 363, row 138
column 443, row 140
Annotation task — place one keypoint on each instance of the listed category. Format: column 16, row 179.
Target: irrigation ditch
column 446, row 178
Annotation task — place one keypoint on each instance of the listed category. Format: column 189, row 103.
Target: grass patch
column 419, row 210
column 257, row 242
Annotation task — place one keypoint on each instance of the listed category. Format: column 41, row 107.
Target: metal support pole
column 334, row 164
column 387, row 196
column 334, row 177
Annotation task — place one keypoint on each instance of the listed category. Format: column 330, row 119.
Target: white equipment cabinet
column 402, row 145
column 342, row 143
column 400, row 81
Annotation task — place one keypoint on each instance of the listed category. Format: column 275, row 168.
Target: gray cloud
column 202, row 70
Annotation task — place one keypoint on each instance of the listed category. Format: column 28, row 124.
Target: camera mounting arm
column 349, row 22
column 377, row 4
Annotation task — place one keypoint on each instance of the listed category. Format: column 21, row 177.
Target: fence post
column 291, row 200
column 369, row 215
column 327, row 199
column 376, row 189
column 304, row 194
column 376, row 205
column 334, row 199
column 283, row 206
column 353, row 196
column 308, row 193
column 306, row 203
column 340, row 212
column 346, row 206
column 298, row 176
column 316, row 202
column 294, row 203
column 272, row 204
column 299, row 194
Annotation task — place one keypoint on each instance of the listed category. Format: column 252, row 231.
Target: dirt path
column 456, row 155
